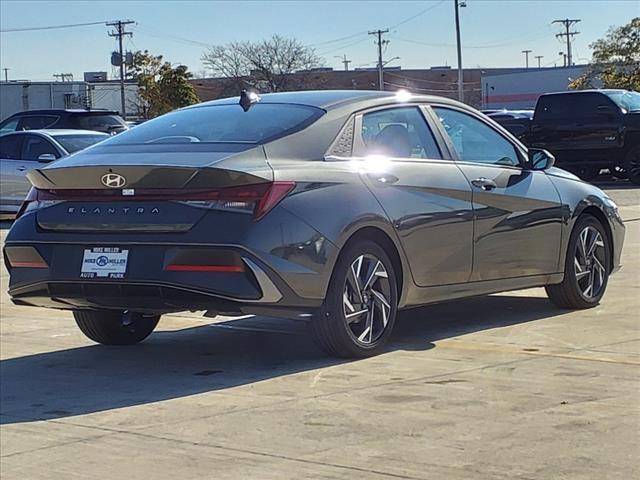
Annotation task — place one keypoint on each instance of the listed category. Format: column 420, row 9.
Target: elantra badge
column 113, row 180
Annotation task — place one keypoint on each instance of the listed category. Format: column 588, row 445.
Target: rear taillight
column 258, row 199
column 32, row 202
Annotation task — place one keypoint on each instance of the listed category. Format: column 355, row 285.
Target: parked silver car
column 23, row 151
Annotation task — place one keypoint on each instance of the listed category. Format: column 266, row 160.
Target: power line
column 51, row 27
column 406, row 20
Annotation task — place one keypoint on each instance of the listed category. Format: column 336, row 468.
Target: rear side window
column 37, row 122
column 400, row 133
column 570, row 106
column 221, row 124
column 9, row 125
column 10, row 147
column 74, row 143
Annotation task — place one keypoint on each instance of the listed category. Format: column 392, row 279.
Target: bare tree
column 267, row 65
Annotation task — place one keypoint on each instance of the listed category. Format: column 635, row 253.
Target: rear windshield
column 74, row 143
column 99, row 122
column 222, row 124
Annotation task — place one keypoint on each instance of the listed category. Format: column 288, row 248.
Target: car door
column 423, row 192
column 518, row 212
column 11, row 184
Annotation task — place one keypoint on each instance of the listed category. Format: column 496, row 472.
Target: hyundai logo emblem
column 113, row 180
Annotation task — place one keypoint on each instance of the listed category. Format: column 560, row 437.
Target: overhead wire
column 51, row 27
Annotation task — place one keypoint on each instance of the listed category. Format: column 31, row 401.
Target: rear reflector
column 28, row 264
column 205, row 268
column 24, row 257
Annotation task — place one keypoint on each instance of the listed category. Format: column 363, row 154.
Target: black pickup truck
column 586, row 130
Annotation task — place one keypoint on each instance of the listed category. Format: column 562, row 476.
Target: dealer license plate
column 104, row 262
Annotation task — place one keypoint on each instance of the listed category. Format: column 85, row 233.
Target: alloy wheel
column 589, row 262
column 367, row 299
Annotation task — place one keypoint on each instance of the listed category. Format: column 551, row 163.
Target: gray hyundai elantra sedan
column 334, row 207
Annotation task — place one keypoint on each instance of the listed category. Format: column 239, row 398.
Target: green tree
column 163, row 87
column 616, row 60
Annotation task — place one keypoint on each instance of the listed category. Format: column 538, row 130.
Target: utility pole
column 120, row 33
column 344, row 60
column 458, row 4
column 526, row 56
column 539, row 57
column 64, row 77
column 6, row 76
column 380, row 43
column 567, row 22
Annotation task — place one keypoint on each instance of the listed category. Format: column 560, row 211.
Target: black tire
column 349, row 338
column 571, row 293
column 632, row 165
column 619, row 172
column 115, row 328
column 586, row 172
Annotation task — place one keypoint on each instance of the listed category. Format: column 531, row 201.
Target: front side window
column 398, row 132
column 221, row 124
column 33, row 146
column 630, row 101
column 475, row 141
column 100, row 123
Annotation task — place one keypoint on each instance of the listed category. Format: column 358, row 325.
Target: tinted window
column 36, row 122
column 398, row 132
column 73, row 143
column 100, row 123
column 33, row 146
column 10, row 147
column 221, row 124
column 9, row 126
column 475, row 141
column 569, row 106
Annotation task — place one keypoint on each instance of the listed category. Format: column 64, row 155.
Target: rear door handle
column 484, row 183
column 21, row 168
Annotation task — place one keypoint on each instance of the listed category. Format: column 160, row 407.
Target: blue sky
column 494, row 32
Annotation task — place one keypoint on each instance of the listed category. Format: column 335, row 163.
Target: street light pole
column 526, row 54
column 458, row 4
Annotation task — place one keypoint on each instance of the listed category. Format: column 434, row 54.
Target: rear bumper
column 256, row 289
column 285, row 269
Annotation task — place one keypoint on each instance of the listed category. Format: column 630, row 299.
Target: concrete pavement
column 498, row 387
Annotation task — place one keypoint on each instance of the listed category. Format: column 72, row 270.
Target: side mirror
column 540, row 159
column 46, row 157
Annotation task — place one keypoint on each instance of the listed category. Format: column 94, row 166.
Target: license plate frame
column 104, row 262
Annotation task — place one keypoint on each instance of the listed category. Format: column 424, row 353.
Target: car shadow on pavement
column 215, row 357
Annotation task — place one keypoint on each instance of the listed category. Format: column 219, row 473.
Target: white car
column 29, row 149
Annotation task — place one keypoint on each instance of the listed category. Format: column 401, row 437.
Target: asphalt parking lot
column 498, row 387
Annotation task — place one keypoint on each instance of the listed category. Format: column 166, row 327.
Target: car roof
column 58, row 111
column 591, row 90
column 61, row 132
column 328, row 99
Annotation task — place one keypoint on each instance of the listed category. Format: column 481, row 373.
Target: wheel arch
column 383, row 239
column 597, row 213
